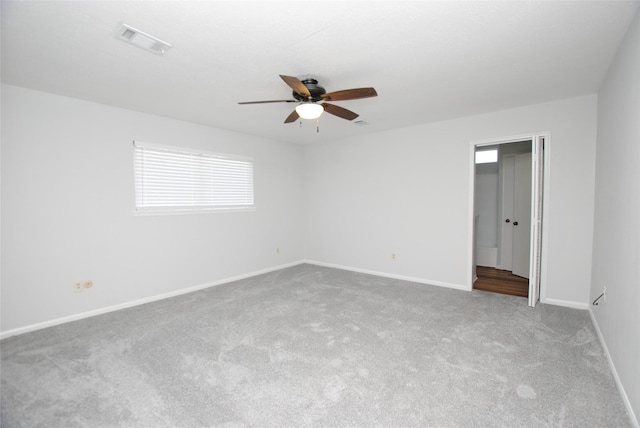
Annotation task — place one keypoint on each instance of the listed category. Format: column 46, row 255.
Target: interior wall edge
column 138, row 302
column 614, row 372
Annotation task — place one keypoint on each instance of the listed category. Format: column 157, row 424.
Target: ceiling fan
column 312, row 98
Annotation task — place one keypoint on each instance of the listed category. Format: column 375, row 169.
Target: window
column 487, row 156
column 171, row 179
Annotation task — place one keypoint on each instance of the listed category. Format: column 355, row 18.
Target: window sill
column 145, row 213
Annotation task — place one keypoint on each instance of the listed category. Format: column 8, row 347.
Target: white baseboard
column 487, row 256
column 63, row 320
column 625, row 398
column 390, row 275
column 75, row 317
column 565, row 303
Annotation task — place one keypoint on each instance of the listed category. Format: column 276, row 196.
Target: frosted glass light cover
column 309, row 110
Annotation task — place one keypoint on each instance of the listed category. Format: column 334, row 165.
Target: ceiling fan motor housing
column 312, row 96
column 316, row 91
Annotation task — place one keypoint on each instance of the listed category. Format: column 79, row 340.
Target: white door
column 536, row 230
column 522, row 215
column 508, row 164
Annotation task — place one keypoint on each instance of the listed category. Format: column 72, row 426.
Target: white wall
column 486, row 204
column 68, row 196
column 407, row 191
column 67, row 204
column 616, row 249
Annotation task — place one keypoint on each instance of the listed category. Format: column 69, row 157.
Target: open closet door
column 537, row 176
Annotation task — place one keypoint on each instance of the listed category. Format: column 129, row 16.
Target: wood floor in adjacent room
column 501, row 281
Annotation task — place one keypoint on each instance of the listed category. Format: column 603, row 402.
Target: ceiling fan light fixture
column 309, row 110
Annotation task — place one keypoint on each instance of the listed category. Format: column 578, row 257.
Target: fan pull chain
column 317, row 126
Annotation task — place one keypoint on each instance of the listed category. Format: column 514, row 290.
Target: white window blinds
column 176, row 179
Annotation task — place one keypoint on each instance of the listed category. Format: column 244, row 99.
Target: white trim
column 546, row 192
column 504, row 140
column 625, row 398
column 390, row 275
column 545, row 210
column 565, row 303
column 63, row 320
column 471, row 250
column 537, row 193
column 88, row 314
column 486, row 256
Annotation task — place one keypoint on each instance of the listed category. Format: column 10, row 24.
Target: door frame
column 471, row 274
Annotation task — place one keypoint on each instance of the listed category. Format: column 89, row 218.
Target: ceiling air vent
column 141, row 39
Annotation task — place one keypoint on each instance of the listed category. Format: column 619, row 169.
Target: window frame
column 483, row 161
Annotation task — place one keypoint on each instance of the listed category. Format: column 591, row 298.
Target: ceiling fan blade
column 270, row 101
column 295, row 84
column 292, row 117
column 350, row 94
column 339, row 111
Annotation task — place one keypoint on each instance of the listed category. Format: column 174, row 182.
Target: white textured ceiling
column 429, row 61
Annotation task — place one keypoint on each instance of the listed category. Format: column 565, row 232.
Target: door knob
column 515, row 223
column 507, row 221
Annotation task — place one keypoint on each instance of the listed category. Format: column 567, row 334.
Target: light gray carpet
column 313, row 346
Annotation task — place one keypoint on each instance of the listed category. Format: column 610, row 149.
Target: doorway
column 500, row 281
column 508, row 179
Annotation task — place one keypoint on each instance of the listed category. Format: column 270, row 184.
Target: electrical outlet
column 76, row 286
column 394, row 257
column 87, row 284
